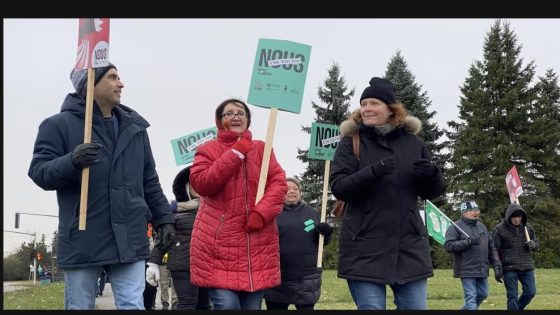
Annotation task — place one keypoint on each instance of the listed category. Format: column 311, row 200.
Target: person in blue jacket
column 124, row 191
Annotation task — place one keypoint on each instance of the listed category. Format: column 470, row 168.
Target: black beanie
column 381, row 89
column 180, row 185
column 79, row 78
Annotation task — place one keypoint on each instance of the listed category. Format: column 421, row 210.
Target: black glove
column 498, row 273
column 384, row 167
column 473, row 240
column 531, row 244
column 424, row 168
column 324, row 228
column 166, row 235
column 85, row 154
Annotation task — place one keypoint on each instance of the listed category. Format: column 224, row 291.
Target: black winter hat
column 381, row 89
column 79, row 78
column 180, row 185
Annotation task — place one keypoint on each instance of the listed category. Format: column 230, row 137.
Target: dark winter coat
column 299, row 240
column 124, row 191
column 470, row 260
column 179, row 252
column 511, row 242
column 383, row 238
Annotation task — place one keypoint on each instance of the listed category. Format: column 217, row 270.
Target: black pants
column 270, row 305
column 149, row 294
column 190, row 296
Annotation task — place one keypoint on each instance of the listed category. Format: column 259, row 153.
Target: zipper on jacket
column 248, row 234
column 219, row 227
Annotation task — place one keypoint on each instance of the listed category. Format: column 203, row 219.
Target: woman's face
column 234, row 117
column 293, row 195
column 374, row 112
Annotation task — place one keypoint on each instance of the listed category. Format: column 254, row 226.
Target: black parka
column 383, row 238
column 124, row 190
column 511, row 242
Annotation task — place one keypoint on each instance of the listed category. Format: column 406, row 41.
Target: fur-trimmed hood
column 348, row 127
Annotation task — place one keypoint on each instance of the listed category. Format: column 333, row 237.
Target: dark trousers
column 270, row 305
column 190, row 296
column 528, row 288
column 149, row 294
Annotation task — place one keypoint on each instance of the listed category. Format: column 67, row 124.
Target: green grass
column 444, row 293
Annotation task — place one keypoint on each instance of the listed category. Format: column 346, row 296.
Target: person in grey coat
column 383, row 240
column 124, row 191
column 516, row 241
column 473, row 252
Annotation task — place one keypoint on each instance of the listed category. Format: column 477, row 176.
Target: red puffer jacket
column 223, row 254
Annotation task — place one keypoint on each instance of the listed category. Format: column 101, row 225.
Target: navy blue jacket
column 124, row 190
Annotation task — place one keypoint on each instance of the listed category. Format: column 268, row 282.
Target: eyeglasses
column 230, row 115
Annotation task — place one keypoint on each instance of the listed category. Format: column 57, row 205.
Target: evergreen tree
column 486, row 141
column 335, row 95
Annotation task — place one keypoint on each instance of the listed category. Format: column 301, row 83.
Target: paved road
column 107, row 301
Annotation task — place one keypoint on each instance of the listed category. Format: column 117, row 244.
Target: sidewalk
column 107, row 301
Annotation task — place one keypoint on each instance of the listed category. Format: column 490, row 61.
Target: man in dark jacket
column 515, row 241
column 124, row 191
column 473, row 251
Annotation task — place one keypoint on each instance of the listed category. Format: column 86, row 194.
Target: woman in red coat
column 234, row 245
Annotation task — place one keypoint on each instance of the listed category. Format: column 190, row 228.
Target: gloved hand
column 424, row 168
column 324, row 228
column 242, row 146
column 384, row 167
column 498, row 273
column 472, row 240
column 166, row 236
column 85, row 155
column 255, row 222
column 531, row 244
column 152, row 274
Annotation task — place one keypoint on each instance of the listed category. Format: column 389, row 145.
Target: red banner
column 513, row 184
column 93, row 44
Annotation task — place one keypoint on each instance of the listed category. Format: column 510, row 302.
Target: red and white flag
column 513, row 184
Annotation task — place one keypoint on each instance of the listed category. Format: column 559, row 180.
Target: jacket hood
column 348, row 127
column 76, row 105
column 511, row 209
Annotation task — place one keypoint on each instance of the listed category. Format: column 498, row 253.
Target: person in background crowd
column 101, row 283
column 473, row 251
column 516, row 241
column 383, row 240
column 150, row 291
column 299, row 226
column 124, row 192
column 185, row 205
column 234, row 245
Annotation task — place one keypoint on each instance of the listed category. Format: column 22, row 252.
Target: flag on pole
column 436, row 222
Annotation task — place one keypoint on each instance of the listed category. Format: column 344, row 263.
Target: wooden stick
column 267, row 151
column 87, row 139
column 323, row 211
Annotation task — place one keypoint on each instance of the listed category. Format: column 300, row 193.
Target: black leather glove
column 85, row 155
column 166, row 235
column 531, row 244
column 324, row 228
column 424, row 168
column 498, row 273
column 472, row 240
column 384, row 167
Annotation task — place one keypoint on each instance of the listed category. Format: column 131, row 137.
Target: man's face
column 472, row 214
column 108, row 89
column 516, row 220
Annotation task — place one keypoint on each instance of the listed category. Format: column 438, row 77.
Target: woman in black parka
column 383, row 240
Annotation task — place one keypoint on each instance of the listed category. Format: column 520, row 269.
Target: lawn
column 444, row 293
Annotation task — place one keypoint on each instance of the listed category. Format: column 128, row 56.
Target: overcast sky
column 176, row 72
